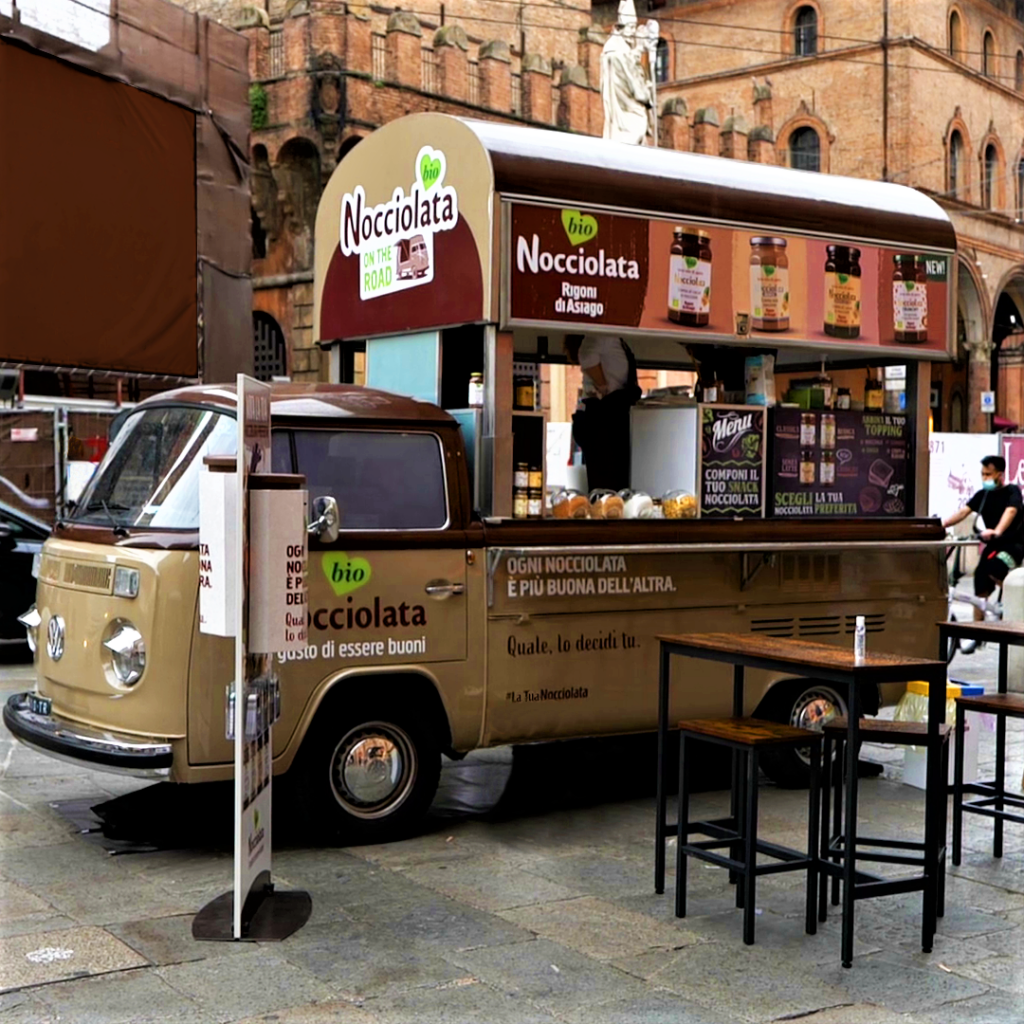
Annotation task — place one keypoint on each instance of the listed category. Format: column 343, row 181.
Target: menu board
column 732, row 456
column 837, row 462
column 699, row 282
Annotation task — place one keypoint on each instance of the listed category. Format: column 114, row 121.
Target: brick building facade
column 926, row 93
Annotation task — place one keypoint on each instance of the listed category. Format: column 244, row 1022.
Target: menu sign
column 698, row 282
column 731, row 477
column 839, row 463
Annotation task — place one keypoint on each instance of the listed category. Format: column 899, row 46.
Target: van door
column 391, row 589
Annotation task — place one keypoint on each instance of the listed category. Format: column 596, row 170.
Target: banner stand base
column 269, row 916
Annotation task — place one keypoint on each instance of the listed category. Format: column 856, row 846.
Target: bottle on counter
column 860, row 639
column 843, row 398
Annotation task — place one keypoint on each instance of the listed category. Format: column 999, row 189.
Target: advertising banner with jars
column 701, row 282
column 839, row 463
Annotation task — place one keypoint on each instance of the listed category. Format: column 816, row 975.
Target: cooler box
column 913, row 707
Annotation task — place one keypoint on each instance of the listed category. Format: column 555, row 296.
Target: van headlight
column 127, row 652
column 30, row 620
column 126, row 582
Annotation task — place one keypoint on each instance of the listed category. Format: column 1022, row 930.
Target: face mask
column 989, row 485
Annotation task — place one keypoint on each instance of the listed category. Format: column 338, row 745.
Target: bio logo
column 579, row 227
column 345, row 574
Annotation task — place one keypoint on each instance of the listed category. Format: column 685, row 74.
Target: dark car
column 21, row 539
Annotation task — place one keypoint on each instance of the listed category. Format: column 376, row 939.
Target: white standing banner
column 954, row 469
column 252, row 729
column 218, row 522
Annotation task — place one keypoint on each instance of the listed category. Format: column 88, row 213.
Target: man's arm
column 1002, row 526
column 961, row 514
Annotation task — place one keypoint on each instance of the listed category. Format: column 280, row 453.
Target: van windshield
column 150, row 475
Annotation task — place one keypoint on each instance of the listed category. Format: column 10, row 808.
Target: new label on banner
column 732, row 453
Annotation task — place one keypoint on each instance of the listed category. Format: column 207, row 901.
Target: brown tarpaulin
column 99, row 222
column 154, row 52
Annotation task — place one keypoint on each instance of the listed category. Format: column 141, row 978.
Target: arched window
column 661, row 61
column 988, row 55
column 805, row 31
column 955, row 183
column 956, row 36
column 269, row 356
column 1018, row 72
column 990, row 176
column 805, row 150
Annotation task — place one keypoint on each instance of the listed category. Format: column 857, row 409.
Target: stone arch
column 801, row 120
column 992, row 172
column 270, row 350
column 1008, row 339
column 266, row 217
column 958, row 169
column 989, row 60
column 298, row 180
column 955, row 29
column 797, row 11
column 347, row 145
column 974, row 340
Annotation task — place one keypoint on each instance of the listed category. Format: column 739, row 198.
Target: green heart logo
column 580, row 228
column 691, row 262
column 343, row 573
column 430, row 167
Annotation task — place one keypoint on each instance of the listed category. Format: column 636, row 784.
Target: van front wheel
column 807, row 705
column 372, row 775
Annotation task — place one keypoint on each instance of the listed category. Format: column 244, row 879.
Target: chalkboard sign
column 839, row 463
column 732, row 455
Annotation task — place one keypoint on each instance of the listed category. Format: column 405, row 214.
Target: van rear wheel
column 369, row 774
column 807, row 705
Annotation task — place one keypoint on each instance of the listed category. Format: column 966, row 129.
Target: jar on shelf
column 534, row 503
column 520, row 503
column 873, row 394
column 606, row 505
column 843, row 398
column 535, row 478
column 679, row 505
column 521, row 476
column 476, row 389
column 523, row 392
column 570, row 504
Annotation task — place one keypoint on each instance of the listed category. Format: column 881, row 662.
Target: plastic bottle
column 860, row 638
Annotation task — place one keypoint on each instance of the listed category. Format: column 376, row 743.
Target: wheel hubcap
column 814, row 709
column 373, row 769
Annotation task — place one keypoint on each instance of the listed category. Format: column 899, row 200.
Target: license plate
column 40, row 705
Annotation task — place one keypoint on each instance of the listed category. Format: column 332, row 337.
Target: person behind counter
column 1001, row 509
column 610, row 388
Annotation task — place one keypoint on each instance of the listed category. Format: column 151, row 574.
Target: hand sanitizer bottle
column 860, row 637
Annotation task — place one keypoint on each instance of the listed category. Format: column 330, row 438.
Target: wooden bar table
column 835, row 665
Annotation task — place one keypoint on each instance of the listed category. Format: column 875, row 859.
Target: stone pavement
column 541, row 910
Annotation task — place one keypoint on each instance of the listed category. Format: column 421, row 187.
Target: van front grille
column 88, row 576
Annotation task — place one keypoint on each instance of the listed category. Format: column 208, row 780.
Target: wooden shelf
column 527, row 412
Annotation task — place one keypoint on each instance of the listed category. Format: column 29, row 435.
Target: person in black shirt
column 1000, row 507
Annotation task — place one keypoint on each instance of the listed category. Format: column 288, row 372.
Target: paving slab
column 40, row 957
column 259, row 982
column 335, row 1011
column 468, row 1001
column 489, row 884
column 360, row 961
column 655, row 1008
column 547, row 974
column 133, row 997
column 990, row 1008
column 600, row 929
column 25, row 1007
column 168, row 940
column 439, row 923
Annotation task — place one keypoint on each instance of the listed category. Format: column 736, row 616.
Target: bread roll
column 613, row 507
column 579, row 507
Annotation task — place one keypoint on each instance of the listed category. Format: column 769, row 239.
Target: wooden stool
column 833, row 848
column 1003, row 706
column 746, row 737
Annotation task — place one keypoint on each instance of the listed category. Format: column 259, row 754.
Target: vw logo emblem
column 55, row 638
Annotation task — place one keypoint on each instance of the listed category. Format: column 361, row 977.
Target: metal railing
column 378, row 56
column 430, row 77
column 276, row 53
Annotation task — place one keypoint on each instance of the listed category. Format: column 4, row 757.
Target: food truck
column 443, row 615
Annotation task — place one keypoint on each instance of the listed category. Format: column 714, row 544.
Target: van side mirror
column 326, row 524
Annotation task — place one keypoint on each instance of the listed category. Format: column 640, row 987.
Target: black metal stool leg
column 683, row 829
column 940, row 908
column 813, row 824
column 958, row 783
column 741, row 822
column 826, row 837
column 838, row 769
column 750, row 851
column 997, row 834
